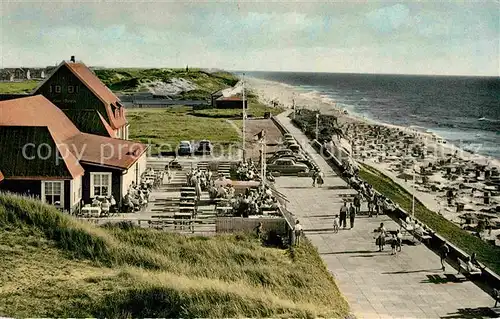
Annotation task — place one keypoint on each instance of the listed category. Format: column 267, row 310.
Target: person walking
column 314, row 177
column 380, row 237
column 352, row 215
column 336, row 224
column 370, row 206
column 443, row 254
column 298, row 232
column 378, row 204
column 343, row 215
column 357, row 202
column 399, row 240
column 320, row 178
column 394, row 244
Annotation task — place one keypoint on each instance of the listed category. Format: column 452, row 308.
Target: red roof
column 93, row 83
column 73, row 145
column 106, row 151
column 40, row 112
column 37, row 111
column 1, row 176
column 230, row 98
column 108, row 128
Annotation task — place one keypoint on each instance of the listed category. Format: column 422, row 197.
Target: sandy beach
column 404, row 152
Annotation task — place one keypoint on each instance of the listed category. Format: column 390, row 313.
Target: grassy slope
column 486, row 253
column 133, row 80
column 18, row 87
column 53, row 265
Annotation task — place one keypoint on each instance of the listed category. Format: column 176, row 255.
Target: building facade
column 90, row 105
column 44, row 155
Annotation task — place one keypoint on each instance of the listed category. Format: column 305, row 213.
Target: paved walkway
column 376, row 284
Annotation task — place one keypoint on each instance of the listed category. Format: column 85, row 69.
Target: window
column 71, row 89
column 100, row 184
column 58, row 89
column 53, row 193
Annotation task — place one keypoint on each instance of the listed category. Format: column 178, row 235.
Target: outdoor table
column 91, row 211
column 224, row 210
column 188, row 194
column 182, row 215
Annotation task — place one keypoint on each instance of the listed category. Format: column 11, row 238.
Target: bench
column 422, row 237
column 463, row 269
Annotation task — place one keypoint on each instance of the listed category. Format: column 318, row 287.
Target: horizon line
column 273, row 71
column 373, row 73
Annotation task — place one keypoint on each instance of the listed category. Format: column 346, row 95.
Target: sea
column 463, row 110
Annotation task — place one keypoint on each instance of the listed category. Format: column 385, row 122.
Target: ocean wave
column 485, row 119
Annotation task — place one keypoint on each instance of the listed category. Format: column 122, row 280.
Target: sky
column 412, row 37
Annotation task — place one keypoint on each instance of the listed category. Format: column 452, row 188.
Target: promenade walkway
column 376, row 284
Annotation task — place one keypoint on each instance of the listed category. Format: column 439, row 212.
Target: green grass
column 486, row 253
column 255, row 108
column 174, row 124
column 134, row 80
column 55, row 266
column 18, row 87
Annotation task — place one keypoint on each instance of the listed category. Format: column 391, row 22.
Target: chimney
column 72, row 59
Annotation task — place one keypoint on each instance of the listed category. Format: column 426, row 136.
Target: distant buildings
column 22, row 74
column 67, row 142
column 223, row 100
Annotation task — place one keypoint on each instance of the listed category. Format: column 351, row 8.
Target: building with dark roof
column 230, row 102
column 45, row 155
column 90, row 105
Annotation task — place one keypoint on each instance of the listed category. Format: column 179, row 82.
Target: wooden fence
column 242, row 224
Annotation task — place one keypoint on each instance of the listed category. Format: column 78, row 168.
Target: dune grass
column 137, row 79
column 486, row 253
column 53, row 265
column 18, row 87
column 164, row 128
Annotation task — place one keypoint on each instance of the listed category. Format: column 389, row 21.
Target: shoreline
column 376, row 154
column 284, row 93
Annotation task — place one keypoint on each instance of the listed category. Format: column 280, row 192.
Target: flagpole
column 244, row 118
column 263, row 159
column 413, row 193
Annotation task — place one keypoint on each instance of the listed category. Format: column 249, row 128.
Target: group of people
column 395, row 240
column 136, row 197
column 201, row 180
column 317, row 177
column 253, row 202
column 247, row 171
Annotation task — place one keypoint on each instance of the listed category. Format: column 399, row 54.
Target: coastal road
column 376, row 284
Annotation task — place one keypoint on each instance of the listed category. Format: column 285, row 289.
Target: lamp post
column 293, row 105
column 317, row 125
column 244, row 118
